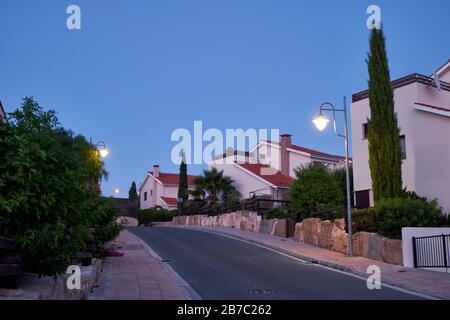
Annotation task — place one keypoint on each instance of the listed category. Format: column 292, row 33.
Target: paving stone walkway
column 136, row 275
column 434, row 284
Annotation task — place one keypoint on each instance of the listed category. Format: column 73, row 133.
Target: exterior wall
column 432, row 148
column 269, row 154
column 297, row 160
column 244, row 181
column 147, row 187
column 408, row 233
column 405, row 98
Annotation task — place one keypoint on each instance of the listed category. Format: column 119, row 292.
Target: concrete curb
column 327, row 264
column 189, row 292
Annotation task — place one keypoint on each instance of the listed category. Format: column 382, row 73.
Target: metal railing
column 259, row 205
column 432, row 251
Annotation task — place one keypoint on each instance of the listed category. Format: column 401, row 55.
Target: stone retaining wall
column 32, row 287
column 329, row 235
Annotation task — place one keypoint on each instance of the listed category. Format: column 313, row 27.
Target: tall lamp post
column 321, row 123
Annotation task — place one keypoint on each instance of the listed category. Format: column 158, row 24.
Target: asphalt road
column 222, row 268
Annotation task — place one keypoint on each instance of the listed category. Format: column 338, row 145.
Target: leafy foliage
column 385, row 158
column 394, row 214
column 314, row 189
column 49, row 195
column 365, row 220
column 213, row 186
column 341, row 179
column 155, row 215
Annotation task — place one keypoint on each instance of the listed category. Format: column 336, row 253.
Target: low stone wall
column 331, row 235
column 31, row 287
column 243, row 220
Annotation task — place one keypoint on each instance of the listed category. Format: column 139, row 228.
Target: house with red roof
column 268, row 169
column 161, row 189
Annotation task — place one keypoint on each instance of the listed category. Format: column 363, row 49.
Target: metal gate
column 432, row 251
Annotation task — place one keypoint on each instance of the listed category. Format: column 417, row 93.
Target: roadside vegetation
column 156, row 214
column 50, row 200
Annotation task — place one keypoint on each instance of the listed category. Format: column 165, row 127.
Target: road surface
column 222, row 268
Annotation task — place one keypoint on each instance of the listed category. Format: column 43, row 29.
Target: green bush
column 155, row 215
column 49, row 196
column 314, row 189
column 279, row 213
column 365, row 220
column 393, row 214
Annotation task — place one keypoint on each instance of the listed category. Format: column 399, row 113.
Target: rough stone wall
column 331, row 235
column 33, row 287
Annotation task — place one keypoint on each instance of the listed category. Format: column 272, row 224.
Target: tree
column 314, row 189
column 183, row 191
column 341, row 179
column 48, row 190
column 132, row 193
column 213, row 186
column 385, row 158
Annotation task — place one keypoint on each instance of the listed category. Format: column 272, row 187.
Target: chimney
column 156, row 170
column 285, row 143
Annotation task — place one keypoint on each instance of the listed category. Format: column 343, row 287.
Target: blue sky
column 137, row 70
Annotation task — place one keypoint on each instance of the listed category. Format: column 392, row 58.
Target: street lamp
column 101, row 148
column 321, row 122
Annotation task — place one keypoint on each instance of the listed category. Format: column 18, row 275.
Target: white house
column 423, row 112
column 161, row 189
column 269, row 167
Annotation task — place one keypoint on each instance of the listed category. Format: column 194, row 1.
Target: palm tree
column 213, row 186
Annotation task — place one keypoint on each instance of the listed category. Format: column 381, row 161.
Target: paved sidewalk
column 434, row 284
column 136, row 275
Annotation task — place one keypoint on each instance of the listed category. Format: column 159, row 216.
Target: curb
column 331, row 265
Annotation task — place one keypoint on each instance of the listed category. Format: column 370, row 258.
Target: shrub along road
column 219, row 267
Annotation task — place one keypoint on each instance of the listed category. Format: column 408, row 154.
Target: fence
column 431, row 252
column 258, row 205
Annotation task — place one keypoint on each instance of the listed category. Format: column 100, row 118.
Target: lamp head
column 321, row 122
column 103, row 152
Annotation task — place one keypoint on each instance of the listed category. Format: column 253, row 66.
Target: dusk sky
column 137, row 70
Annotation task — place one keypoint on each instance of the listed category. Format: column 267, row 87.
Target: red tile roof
column 170, row 201
column 278, row 179
column 174, row 178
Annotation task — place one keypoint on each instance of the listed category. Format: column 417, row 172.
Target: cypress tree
column 132, row 193
column 385, row 159
column 183, row 185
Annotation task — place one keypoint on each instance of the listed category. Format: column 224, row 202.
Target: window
column 365, row 130
column 145, row 196
column 403, row 146
column 151, row 192
column 362, row 199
